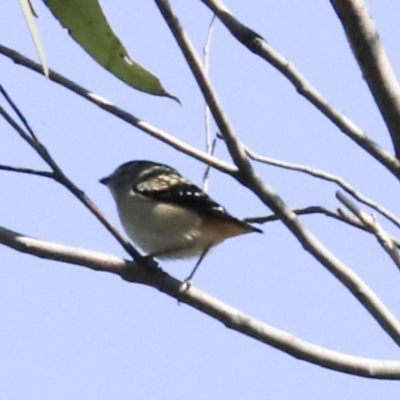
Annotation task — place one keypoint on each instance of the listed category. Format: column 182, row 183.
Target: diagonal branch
column 209, row 305
column 374, row 63
column 18, row 112
column 106, row 105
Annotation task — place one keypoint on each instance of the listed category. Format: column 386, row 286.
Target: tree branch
column 18, row 112
column 28, row 171
column 373, row 61
column 317, row 173
column 373, row 226
column 310, row 210
column 229, row 316
column 106, row 105
column 255, row 43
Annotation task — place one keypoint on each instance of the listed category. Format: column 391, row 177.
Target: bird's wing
column 173, row 188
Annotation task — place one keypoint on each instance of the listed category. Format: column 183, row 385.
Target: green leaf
column 30, row 15
column 88, row 26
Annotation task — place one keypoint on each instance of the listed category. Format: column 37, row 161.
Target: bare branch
column 328, row 177
column 229, row 316
column 310, row 210
column 386, row 241
column 17, row 111
column 255, row 43
column 373, row 226
column 106, row 105
column 29, row 171
column 374, row 63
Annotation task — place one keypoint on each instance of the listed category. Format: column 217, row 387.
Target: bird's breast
column 161, row 227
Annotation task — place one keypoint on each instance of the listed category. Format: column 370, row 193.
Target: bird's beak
column 105, row 180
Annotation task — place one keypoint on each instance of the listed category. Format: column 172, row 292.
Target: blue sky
column 68, row 332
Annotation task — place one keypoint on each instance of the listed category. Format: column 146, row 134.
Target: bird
column 167, row 215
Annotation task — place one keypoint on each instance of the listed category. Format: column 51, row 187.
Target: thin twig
column 210, row 143
column 339, row 215
column 372, row 224
column 328, row 177
column 203, row 302
column 29, row 171
column 17, row 111
column 208, row 168
column 309, row 210
column 385, row 240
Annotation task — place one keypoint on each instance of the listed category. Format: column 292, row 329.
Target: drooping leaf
column 88, row 26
